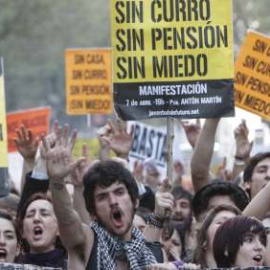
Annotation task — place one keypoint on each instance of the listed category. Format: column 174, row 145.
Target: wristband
column 155, row 221
column 178, row 264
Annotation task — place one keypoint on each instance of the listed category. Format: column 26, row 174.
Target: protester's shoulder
column 88, row 231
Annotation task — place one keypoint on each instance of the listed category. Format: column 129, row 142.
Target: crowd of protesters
column 101, row 214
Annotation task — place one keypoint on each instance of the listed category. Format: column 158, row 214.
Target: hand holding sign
column 192, row 131
column 25, row 143
column 164, row 200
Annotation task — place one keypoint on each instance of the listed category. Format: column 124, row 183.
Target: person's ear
column 136, row 205
column 18, row 250
column 247, row 186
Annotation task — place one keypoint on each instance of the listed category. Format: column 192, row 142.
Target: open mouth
column 258, row 259
column 178, row 218
column 38, row 231
column 117, row 217
column 3, row 254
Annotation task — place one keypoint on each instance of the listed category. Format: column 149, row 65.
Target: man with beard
column 182, row 217
column 182, row 211
column 111, row 197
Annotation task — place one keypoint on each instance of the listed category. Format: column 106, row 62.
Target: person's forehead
column 182, row 200
column 6, row 225
column 264, row 162
column 225, row 214
column 39, row 205
column 101, row 189
column 219, row 200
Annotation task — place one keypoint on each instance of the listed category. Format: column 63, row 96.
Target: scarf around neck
column 109, row 249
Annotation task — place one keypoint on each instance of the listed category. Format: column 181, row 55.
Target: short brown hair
column 230, row 236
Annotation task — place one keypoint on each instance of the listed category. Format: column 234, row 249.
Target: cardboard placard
column 148, row 142
column 37, row 119
column 252, row 75
column 3, row 126
column 88, row 81
column 172, row 58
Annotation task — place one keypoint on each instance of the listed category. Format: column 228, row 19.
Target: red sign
column 38, row 120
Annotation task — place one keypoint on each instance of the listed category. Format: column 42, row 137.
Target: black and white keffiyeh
column 110, row 249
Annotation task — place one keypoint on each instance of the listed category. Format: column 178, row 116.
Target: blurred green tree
column 35, row 34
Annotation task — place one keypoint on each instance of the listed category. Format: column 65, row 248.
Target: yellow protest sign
column 172, row 58
column 88, row 81
column 252, row 75
column 92, row 146
column 3, row 126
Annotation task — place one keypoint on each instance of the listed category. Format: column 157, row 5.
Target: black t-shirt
column 56, row 258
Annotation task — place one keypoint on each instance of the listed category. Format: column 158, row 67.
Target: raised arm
column 27, row 146
column 164, row 202
column 202, row 155
column 243, row 149
column 36, row 179
column 59, row 165
column 118, row 138
column 104, row 145
column 77, row 181
column 222, row 172
column 259, row 205
column 192, row 131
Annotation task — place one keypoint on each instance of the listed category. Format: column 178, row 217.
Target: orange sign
column 252, row 75
column 38, row 120
column 88, row 81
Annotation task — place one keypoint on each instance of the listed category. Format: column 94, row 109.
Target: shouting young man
column 111, row 197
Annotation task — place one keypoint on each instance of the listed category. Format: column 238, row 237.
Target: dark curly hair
column 104, row 174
